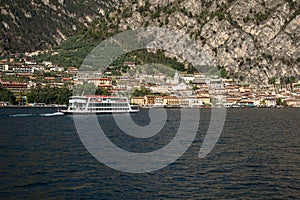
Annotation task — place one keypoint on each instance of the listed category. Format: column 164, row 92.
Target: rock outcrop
column 253, row 40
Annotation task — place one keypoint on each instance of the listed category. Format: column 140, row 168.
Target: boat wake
column 52, row 114
column 22, row 115
column 41, row 115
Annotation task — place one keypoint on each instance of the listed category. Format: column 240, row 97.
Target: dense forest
column 49, row 95
column 36, row 25
column 7, row 96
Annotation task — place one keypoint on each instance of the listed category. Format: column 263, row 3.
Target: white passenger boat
column 99, row 105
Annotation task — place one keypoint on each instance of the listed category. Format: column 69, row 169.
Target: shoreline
column 46, row 106
column 144, row 107
column 208, row 108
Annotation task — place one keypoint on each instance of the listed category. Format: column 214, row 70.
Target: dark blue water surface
column 256, row 157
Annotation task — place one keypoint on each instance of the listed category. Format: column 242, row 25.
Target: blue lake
column 256, row 157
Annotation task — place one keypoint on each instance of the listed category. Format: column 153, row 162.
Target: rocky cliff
column 252, row 39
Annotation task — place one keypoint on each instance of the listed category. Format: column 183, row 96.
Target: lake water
column 257, row 156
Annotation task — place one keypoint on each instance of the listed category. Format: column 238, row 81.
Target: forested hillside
column 28, row 25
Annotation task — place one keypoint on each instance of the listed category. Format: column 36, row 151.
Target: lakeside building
column 158, row 101
column 293, row 102
column 22, row 69
column 19, row 89
column 72, row 70
column 185, row 90
column 4, row 67
column 149, row 100
column 187, row 78
column 95, row 78
column 56, row 69
column 171, row 101
column 101, row 82
column 160, row 89
column 129, row 64
column 13, row 84
column 270, row 101
column 137, row 101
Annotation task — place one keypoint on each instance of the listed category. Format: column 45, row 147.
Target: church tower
column 176, row 78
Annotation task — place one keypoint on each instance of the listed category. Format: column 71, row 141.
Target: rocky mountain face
column 253, row 40
column 28, row 25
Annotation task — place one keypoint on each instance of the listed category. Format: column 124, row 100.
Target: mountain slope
column 253, row 40
column 28, row 25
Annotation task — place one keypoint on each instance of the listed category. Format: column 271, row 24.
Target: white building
column 22, row 69
column 270, row 101
column 57, row 69
column 47, row 63
column 4, row 67
column 187, row 78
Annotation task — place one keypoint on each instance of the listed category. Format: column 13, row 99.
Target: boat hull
column 66, row 112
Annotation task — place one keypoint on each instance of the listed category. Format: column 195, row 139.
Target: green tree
column 85, row 89
column 278, row 101
column 272, row 81
column 284, row 103
column 290, row 80
column 146, row 24
column 223, row 73
column 141, row 92
column 195, row 88
column 49, row 95
column 166, row 20
column 102, row 91
column 7, row 96
column 64, row 95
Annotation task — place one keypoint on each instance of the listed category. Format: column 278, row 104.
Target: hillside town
column 177, row 90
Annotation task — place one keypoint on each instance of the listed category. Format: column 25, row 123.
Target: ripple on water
column 257, row 156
